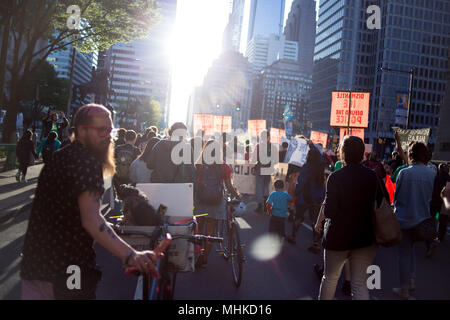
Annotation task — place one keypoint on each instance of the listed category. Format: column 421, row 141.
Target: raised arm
column 398, row 147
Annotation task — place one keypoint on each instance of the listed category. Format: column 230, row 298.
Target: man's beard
column 104, row 153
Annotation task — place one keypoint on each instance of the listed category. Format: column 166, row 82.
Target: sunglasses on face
column 101, row 131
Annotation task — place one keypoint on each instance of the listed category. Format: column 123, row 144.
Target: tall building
column 227, row 85
column 349, row 56
column 266, row 17
column 277, row 85
column 262, row 51
column 140, row 70
column 301, row 27
column 233, row 30
column 442, row 147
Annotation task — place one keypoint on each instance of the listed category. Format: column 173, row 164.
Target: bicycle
column 231, row 247
column 162, row 288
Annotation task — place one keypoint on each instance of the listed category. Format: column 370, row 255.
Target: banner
column 255, row 127
column 297, row 152
column 351, row 132
column 222, row 124
column 359, row 117
column 244, row 178
column 410, row 135
column 204, row 122
column 319, row 137
column 276, row 135
column 401, row 111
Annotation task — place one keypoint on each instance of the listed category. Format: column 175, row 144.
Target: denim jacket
column 413, row 194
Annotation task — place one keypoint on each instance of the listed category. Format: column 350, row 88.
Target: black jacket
column 351, row 192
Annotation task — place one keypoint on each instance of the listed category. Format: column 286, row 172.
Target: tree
column 154, row 116
column 30, row 23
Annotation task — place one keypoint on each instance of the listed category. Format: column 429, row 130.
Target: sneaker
column 430, row 251
column 319, row 271
column 18, row 176
column 347, row 288
column 24, row 180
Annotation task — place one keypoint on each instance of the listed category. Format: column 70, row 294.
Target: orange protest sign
column 319, row 137
column 255, row 127
column 359, row 117
column 222, row 124
column 204, row 122
column 351, row 132
column 276, row 135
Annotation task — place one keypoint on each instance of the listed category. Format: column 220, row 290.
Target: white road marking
column 242, row 223
column 307, row 226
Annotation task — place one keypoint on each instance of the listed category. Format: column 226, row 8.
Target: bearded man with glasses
column 65, row 217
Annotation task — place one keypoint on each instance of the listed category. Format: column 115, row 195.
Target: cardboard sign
column 351, row 132
column 255, row 127
column 359, row 116
column 222, row 124
column 319, row 137
column 297, row 152
column 276, row 135
column 204, row 122
column 408, row 136
column 244, row 178
column 280, row 174
column 367, row 148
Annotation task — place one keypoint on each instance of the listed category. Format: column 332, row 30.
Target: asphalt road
column 269, row 273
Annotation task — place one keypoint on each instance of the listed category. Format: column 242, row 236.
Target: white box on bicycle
column 180, row 252
column 177, row 197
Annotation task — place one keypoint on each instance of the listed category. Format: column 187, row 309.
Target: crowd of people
column 337, row 192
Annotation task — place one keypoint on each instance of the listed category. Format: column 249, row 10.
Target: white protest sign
column 244, row 178
column 280, row 174
column 297, row 151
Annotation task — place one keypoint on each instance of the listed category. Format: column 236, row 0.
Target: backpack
column 47, row 151
column 124, row 159
column 210, row 184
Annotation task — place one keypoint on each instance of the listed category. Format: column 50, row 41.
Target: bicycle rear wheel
column 236, row 255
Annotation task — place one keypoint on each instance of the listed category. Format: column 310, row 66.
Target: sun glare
column 196, row 43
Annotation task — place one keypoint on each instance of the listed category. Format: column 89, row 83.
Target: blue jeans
column 407, row 259
column 262, row 188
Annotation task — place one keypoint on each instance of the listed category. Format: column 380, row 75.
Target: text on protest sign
column 222, row 124
column 297, row 151
column 204, row 122
column 280, row 174
column 255, row 127
column 409, row 135
column 276, row 135
column 359, row 116
column 352, row 132
column 319, row 137
column 244, row 178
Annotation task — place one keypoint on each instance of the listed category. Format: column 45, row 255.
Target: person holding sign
column 263, row 158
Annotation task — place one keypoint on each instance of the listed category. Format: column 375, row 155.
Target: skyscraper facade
column 266, row 17
column 262, row 51
column 414, row 35
column 140, row 70
column 301, row 27
column 233, row 30
column 277, row 85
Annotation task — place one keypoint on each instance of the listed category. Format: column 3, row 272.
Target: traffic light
column 218, row 104
column 238, row 106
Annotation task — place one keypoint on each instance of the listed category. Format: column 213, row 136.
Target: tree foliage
column 39, row 27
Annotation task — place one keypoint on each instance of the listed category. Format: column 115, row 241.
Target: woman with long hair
column 212, row 175
column 25, row 150
column 309, row 193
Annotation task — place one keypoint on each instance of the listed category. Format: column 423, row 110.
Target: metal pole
column 411, row 81
column 69, row 100
column 349, row 112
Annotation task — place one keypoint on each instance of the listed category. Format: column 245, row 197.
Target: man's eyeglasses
column 102, row 131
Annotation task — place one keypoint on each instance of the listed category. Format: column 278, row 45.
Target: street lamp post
column 410, row 93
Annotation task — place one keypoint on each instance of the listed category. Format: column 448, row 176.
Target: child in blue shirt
column 277, row 207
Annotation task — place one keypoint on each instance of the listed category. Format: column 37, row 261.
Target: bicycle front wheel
column 236, row 256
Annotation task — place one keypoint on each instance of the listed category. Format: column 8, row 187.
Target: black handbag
column 425, row 231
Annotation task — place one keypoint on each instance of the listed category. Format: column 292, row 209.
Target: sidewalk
column 14, row 196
